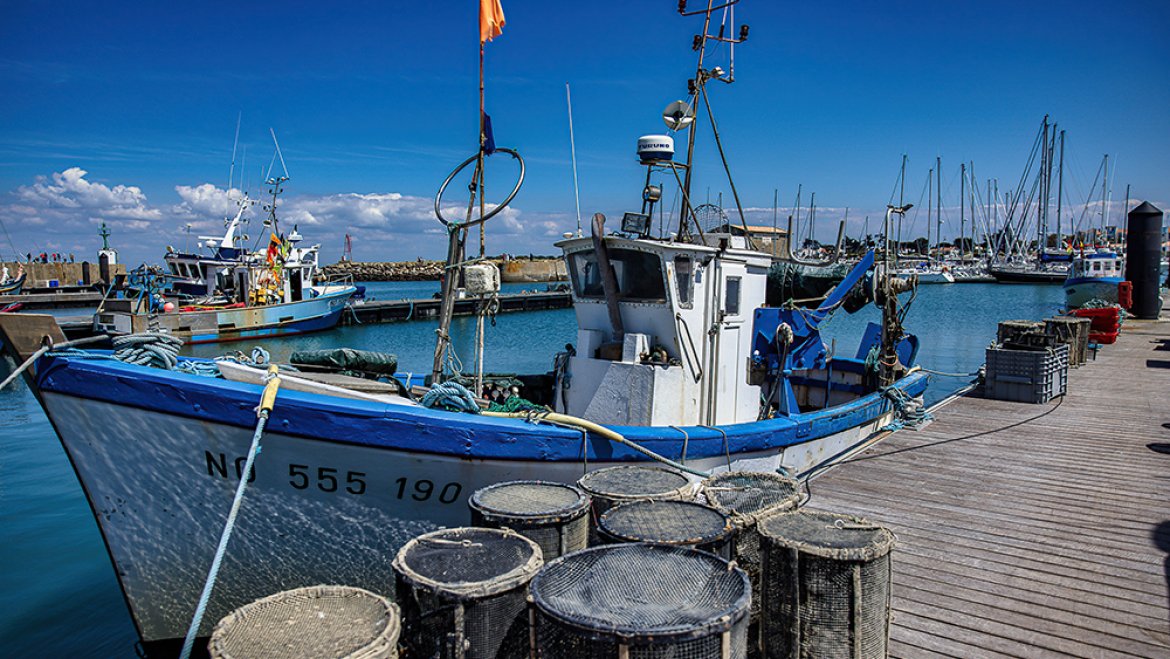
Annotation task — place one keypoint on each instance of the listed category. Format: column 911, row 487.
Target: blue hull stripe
column 422, row 430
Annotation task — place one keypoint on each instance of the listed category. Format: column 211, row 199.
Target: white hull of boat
column 316, row 512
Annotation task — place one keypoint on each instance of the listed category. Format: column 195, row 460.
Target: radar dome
column 655, row 147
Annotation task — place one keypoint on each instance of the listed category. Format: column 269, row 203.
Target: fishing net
column 749, row 496
column 310, row 623
column 678, row 523
column 462, row 593
column 652, row 602
column 825, row 587
column 554, row 515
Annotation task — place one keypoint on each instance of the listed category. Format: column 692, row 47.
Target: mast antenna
column 235, row 143
column 573, row 152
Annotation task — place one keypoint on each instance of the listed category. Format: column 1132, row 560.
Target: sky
column 126, row 113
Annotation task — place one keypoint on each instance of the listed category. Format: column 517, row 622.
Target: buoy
column 169, row 307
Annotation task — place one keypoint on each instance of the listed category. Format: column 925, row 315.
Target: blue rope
column 908, row 412
column 452, row 397
column 228, row 527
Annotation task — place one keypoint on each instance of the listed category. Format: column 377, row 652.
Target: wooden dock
column 389, row 311
column 1031, row 530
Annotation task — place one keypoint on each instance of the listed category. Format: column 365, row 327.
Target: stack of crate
column 1071, row 330
column 1029, row 364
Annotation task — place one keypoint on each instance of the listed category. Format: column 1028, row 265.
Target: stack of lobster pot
column 554, row 515
column 638, row 600
column 611, row 486
column 747, row 497
column 317, row 622
column 674, row 523
column 825, row 586
column 463, row 593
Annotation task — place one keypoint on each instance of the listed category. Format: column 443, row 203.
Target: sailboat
column 677, row 360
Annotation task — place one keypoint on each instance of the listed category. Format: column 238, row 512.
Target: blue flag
column 489, row 140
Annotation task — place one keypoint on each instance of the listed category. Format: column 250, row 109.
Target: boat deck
column 1031, row 530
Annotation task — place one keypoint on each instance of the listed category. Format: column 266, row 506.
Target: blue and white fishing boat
column 1094, row 275
column 677, row 359
column 233, row 293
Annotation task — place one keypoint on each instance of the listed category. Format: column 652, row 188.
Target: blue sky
column 126, row 114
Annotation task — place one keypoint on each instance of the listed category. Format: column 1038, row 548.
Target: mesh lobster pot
column 611, row 486
column 554, row 515
column 748, row 496
column 675, row 523
column 825, row 586
column 313, row 623
column 642, row 602
column 463, row 593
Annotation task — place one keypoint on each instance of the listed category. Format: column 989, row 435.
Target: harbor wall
column 512, row 270
column 39, row 275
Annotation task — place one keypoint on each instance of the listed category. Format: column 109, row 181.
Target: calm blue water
column 59, row 591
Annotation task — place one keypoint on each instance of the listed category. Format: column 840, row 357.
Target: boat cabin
column 680, row 357
column 1099, row 264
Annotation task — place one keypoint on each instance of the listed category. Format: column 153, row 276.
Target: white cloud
column 70, row 189
column 63, row 209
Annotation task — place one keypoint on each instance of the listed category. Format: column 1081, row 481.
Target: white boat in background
column 1094, row 275
column 232, row 294
column 928, row 272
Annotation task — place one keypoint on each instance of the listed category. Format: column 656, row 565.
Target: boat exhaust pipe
column 608, row 278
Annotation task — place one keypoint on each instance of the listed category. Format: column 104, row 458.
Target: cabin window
column 1096, row 266
column 173, row 268
column 683, row 269
column 731, row 300
column 639, row 275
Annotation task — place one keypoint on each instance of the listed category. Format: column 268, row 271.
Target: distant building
column 761, row 238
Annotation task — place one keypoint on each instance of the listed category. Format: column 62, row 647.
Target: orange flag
column 491, row 20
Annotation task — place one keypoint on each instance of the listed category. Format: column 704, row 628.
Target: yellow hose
column 268, row 398
column 597, row 429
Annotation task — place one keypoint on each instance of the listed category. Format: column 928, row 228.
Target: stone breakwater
column 522, row 270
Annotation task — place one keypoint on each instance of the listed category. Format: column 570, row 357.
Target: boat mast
column 1060, row 195
column 938, row 215
column 698, row 88
column 962, row 207
column 929, row 206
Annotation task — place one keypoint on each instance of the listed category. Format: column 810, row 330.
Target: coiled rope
column 452, row 397
column 909, row 412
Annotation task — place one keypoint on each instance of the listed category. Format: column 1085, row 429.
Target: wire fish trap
column 611, row 486
column 462, row 593
column 310, row 623
column 747, row 497
column 675, row 523
column 554, row 515
column 825, row 587
column 642, row 602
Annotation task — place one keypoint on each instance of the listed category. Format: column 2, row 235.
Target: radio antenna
column 573, row 151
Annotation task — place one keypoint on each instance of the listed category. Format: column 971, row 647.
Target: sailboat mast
column 1104, row 196
column 929, row 206
column 1060, row 194
column 938, row 215
column 775, row 211
column 962, row 207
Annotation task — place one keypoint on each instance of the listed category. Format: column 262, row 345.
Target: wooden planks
column 1030, row 530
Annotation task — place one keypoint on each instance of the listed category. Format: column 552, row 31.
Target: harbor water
column 60, row 594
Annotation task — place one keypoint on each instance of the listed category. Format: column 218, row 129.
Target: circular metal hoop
column 511, row 195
